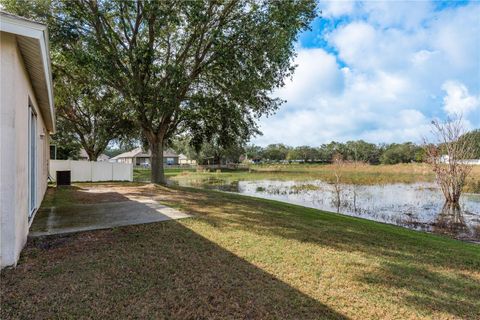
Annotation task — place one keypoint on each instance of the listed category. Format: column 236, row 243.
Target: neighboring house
column 84, row 156
column 139, row 157
column 27, row 120
column 183, row 160
column 445, row 159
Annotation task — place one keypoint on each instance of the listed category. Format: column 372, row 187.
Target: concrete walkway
column 83, row 217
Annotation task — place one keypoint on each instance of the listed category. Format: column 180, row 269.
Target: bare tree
column 338, row 164
column 354, row 189
column 447, row 156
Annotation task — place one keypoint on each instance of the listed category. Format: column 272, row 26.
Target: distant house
column 27, row 120
column 84, row 156
column 184, row 160
column 445, row 159
column 139, row 157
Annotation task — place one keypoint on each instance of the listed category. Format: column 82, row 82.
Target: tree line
column 212, row 152
column 358, row 150
column 351, row 151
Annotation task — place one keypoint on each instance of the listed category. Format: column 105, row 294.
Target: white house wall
column 15, row 92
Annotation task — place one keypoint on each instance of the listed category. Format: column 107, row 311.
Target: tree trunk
column 156, row 147
column 92, row 155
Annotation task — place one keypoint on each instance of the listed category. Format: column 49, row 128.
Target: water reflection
column 418, row 206
column 450, row 220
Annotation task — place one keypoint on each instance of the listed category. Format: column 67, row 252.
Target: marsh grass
column 303, row 187
column 364, row 174
column 351, row 174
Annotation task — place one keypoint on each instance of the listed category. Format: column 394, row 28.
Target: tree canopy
column 474, row 139
column 88, row 110
column 203, row 67
column 401, row 153
column 88, row 113
column 206, row 67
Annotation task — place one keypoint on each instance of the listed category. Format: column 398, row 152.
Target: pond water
column 418, row 206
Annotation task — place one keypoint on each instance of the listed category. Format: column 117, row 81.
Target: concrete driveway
column 93, row 216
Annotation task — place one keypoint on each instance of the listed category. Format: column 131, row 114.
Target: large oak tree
column 207, row 67
column 204, row 67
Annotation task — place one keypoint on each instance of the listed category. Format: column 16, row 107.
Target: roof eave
column 25, row 28
column 48, row 74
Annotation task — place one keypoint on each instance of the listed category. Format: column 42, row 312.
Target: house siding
column 146, row 160
column 138, row 161
column 16, row 94
column 170, row 160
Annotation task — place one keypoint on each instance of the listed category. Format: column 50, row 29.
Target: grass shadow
column 443, row 274
column 147, row 271
column 458, row 295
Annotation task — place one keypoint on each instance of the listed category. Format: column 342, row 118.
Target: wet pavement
column 83, row 217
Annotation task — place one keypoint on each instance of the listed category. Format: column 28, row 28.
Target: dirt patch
column 92, row 193
column 118, row 192
column 86, row 194
column 88, row 197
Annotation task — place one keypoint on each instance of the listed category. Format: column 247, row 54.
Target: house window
column 53, row 152
column 32, row 160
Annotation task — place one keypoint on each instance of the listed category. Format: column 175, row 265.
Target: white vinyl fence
column 92, row 170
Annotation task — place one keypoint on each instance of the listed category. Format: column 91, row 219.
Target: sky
column 380, row 71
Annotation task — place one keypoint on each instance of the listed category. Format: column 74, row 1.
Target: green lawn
column 143, row 175
column 243, row 257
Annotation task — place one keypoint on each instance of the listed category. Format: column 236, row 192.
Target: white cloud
column 359, row 112
column 397, row 13
column 317, row 73
column 385, row 79
column 457, row 35
column 457, row 100
column 406, row 125
column 333, row 9
column 367, row 47
column 355, row 43
column 422, row 57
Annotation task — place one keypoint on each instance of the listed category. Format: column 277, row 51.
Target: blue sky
column 380, row 71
